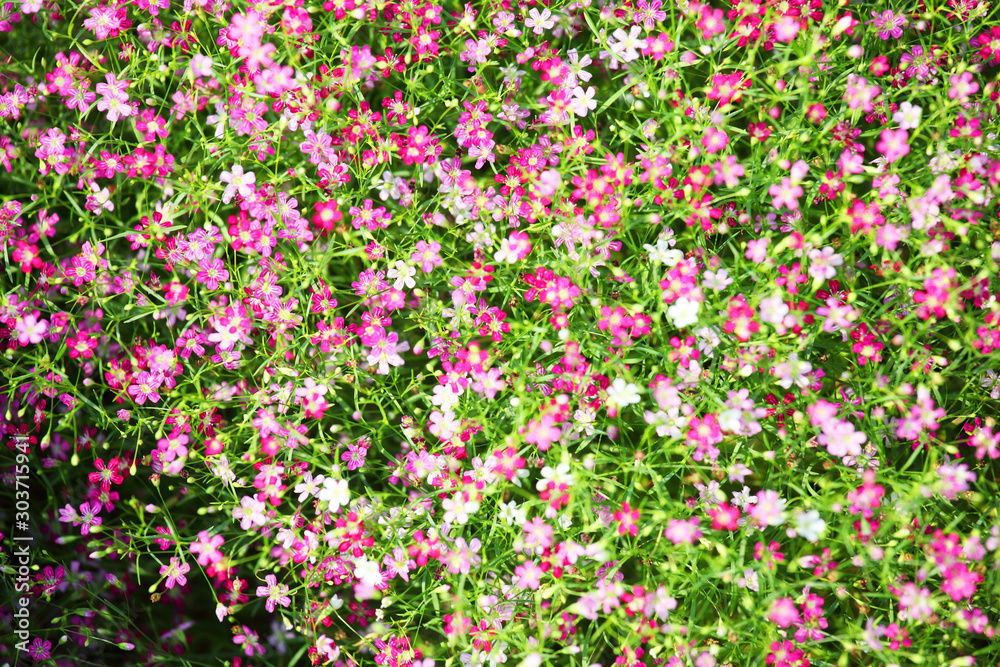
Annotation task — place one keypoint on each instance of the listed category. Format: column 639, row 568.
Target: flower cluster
column 408, row 333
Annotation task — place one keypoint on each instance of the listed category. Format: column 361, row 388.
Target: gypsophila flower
column 888, row 24
column 174, row 572
column 276, row 594
column 683, row 313
column 809, row 525
column 482, row 333
column 908, row 116
column 334, row 492
column 623, row 393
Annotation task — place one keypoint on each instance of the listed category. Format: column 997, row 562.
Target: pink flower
column 87, row 516
column 840, row 438
column 888, row 24
column 175, row 572
column 786, row 194
column 914, row 603
column 893, row 144
column 426, row 255
column 529, row 575
column 80, row 271
column 106, row 474
column 963, row 86
column 40, row 650
column 31, row 329
column 784, row 613
column 769, row 510
column 250, row 512
column 513, row 249
column 207, row 548
column 757, row 250
column 212, row 272
column 384, row 354
column 714, row 140
column 114, row 99
column 960, row 582
column 627, row 519
column 683, row 532
column 371, row 218
column 274, row 592
column 144, row 387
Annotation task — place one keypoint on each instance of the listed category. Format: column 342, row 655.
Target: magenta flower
column 86, row 518
column 40, row 649
column 274, row 592
column 786, row 195
column 893, row 144
column 212, row 272
column 250, row 512
column 144, row 386
column 683, row 532
column 888, row 24
column 175, row 572
column 354, row 456
column 207, row 548
column 250, row 641
column 714, row 140
column 784, row 613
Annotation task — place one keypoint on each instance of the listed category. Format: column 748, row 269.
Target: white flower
column 743, row 499
column 718, row 280
column 708, row 340
column 564, row 520
column 992, row 382
column 403, row 275
column 512, row 514
column 668, row 424
column 446, row 395
column 908, row 116
column 809, row 525
column 625, row 47
column 584, row 101
column 729, row 420
column 458, row 508
column 690, row 375
column 560, row 475
column 576, row 65
column 238, row 182
column 663, row 253
column 748, row 580
column 221, row 469
column 539, row 22
column 388, row 187
column 506, row 253
column 475, row 659
column 335, row 492
column 367, row 572
column 498, row 655
column 308, row 486
column 773, row 309
column 793, row 371
column 683, row 312
column 585, row 418
column 623, row 393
